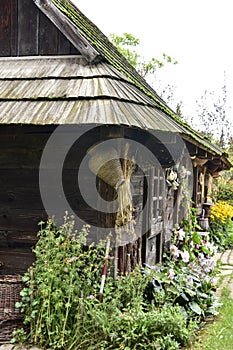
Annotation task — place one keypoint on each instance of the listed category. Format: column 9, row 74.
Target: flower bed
column 154, row 307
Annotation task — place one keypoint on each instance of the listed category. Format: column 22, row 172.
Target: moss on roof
column 110, row 53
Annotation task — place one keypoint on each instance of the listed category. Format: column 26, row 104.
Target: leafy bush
column 66, row 272
column 153, row 328
column 62, row 307
column 190, row 287
column 187, row 275
column 224, row 191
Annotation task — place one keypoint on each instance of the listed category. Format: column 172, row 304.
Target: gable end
column 63, row 23
column 26, row 31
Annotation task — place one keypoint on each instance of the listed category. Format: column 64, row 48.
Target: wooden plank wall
column 26, row 31
column 21, row 207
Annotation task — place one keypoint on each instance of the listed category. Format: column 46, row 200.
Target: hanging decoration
column 107, row 165
column 172, row 179
column 124, row 218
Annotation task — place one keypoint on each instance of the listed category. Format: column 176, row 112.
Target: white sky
column 198, row 34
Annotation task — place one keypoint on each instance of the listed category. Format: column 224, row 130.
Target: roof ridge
column 119, row 62
column 96, row 47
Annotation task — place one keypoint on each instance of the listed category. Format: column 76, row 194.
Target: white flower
column 213, row 280
column 184, row 172
column 190, row 280
column 174, row 250
column 181, row 234
column 185, row 256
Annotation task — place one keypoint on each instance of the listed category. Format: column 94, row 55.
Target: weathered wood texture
column 16, row 261
column 26, row 31
column 21, row 206
column 129, row 256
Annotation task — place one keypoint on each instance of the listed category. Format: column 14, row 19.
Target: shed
column 64, row 90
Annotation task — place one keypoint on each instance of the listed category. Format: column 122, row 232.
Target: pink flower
column 185, row 256
column 90, row 297
column 171, row 274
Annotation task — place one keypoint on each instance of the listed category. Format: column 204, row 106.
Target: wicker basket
column 106, row 164
column 10, row 317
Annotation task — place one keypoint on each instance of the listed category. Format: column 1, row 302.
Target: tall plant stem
column 68, row 305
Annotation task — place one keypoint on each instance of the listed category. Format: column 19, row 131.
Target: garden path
column 225, row 276
column 224, row 279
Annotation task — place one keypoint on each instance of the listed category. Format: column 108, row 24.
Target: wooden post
column 104, row 271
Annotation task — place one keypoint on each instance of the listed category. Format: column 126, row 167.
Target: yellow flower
column 222, row 211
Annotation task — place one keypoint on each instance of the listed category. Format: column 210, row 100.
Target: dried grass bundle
column 124, row 218
column 106, row 164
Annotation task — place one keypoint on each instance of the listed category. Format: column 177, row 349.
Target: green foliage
column 221, row 234
column 156, row 307
column 65, row 274
column 125, row 45
column 187, row 242
column 186, row 277
column 189, row 286
column 61, row 304
column 162, row 328
column 224, row 191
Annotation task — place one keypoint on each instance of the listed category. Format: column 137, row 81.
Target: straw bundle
column 105, row 163
column 124, row 218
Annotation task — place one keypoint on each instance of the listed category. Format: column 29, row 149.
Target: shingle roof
column 68, row 90
column 54, row 90
column 107, row 50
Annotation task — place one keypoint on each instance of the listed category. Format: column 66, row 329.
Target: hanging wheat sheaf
column 108, row 167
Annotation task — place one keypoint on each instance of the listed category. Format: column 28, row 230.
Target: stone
column 6, row 347
column 226, row 270
column 226, row 256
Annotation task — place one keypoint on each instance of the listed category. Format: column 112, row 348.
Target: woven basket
column 10, row 317
column 106, row 165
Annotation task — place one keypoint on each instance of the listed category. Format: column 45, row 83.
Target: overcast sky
column 198, row 34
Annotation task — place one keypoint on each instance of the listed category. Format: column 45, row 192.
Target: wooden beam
column 68, row 28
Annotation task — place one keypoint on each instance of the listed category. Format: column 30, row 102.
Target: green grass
column 219, row 334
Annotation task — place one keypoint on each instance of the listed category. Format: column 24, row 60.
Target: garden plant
column 221, row 225
column 153, row 307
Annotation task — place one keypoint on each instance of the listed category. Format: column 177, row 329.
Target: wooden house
column 60, row 75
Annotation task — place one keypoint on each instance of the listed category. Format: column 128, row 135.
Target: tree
column 211, row 108
column 126, row 44
column 212, row 116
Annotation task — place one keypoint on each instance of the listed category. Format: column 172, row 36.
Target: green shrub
column 224, row 191
column 62, row 306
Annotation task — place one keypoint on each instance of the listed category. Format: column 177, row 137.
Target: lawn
column 219, row 334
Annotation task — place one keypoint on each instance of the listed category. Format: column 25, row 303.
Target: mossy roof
column 107, row 51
